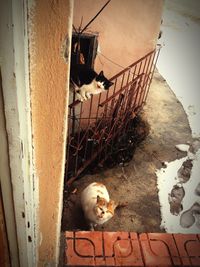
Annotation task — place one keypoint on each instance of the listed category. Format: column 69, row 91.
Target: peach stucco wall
column 128, row 29
column 50, row 24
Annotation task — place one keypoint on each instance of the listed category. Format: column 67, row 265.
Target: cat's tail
column 74, row 86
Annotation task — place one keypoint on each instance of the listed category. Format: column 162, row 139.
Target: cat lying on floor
column 87, row 82
column 96, row 204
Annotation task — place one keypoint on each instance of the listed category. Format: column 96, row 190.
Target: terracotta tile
column 193, row 248
column 134, row 236
column 122, row 248
column 74, row 259
column 86, row 249
column 125, row 250
column 69, row 234
column 94, row 238
column 159, row 250
column 100, row 262
column 195, row 261
column 189, row 248
column 168, row 239
column 126, row 253
column 109, row 240
column 110, row 261
column 129, row 249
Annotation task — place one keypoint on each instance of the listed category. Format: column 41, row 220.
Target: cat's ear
column 101, row 73
column 112, row 205
column 110, row 83
column 98, row 199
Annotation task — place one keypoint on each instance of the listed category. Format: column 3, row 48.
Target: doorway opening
column 84, row 49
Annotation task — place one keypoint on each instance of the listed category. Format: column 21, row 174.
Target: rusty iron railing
column 95, row 125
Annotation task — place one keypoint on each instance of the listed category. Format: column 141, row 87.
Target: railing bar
column 117, row 103
column 129, row 89
column 126, row 94
column 154, row 66
column 112, row 141
column 96, row 119
column 88, row 127
column 68, row 143
column 135, row 83
column 130, row 66
column 113, row 99
column 90, row 110
column 99, row 98
column 106, row 107
column 146, row 85
column 75, row 103
column 67, row 159
column 128, row 76
column 124, row 100
column 112, row 122
column 115, row 86
column 137, row 86
column 78, row 141
column 131, row 95
column 122, row 89
column 143, row 86
column 117, row 133
column 137, row 102
column 122, row 81
column 133, row 86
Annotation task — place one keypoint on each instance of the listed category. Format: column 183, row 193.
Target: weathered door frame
column 19, row 180
column 6, row 187
column 19, row 189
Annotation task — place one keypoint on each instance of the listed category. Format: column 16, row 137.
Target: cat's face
column 104, row 210
column 102, row 82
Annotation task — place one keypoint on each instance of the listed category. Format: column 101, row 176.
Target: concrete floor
column 137, row 182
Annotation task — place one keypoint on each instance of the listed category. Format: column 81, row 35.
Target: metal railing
column 96, row 125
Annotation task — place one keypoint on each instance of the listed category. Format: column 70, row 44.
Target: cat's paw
column 84, row 97
column 88, row 95
column 91, row 227
column 79, row 97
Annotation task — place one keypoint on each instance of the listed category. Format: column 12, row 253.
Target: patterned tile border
column 131, row 249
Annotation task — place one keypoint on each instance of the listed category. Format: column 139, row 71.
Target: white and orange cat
column 96, row 204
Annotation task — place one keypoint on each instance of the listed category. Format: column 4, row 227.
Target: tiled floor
column 131, row 249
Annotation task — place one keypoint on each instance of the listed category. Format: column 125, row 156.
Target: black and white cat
column 87, row 82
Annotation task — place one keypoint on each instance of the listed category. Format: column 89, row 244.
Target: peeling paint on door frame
column 14, row 61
